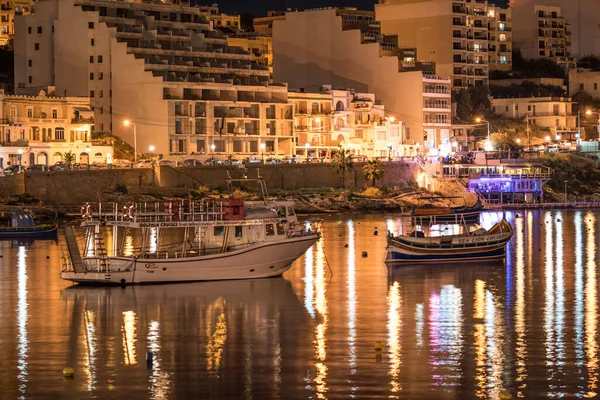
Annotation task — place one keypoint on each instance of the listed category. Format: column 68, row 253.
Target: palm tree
column 69, row 158
column 373, row 170
column 341, row 161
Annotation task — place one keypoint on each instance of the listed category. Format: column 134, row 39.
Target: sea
column 339, row 324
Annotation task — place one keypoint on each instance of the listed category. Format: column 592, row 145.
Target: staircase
column 73, row 249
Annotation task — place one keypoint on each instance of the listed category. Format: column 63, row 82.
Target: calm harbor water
column 528, row 326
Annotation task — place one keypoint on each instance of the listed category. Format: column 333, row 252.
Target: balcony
column 81, row 120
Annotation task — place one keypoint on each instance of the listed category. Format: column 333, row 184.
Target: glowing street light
column 213, row 147
column 547, row 138
column 518, row 141
column 20, row 156
column 479, row 120
column 262, row 150
column 127, row 123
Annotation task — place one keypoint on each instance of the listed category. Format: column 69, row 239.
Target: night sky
column 260, row 7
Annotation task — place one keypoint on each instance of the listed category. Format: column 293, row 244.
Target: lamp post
column 87, row 150
column 306, row 146
column 566, row 191
column 262, row 150
column 212, row 148
column 20, row 157
column 389, row 146
column 481, row 121
column 127, row 123
column 151, row 149
column 589, row 112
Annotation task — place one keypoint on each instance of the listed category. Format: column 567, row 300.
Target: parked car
column 192, row 163
column 272, row 161
column 325, row 159
column 59, row 166
column 232, row 161
column 167, row 163
column 253, row 161
column 290, row 160
column 213, row 161
column 118, row 163
column 99, row 166
column 78, row 167
column 37, row 168
column 359, row 159
column 144, row 164
column 13, row 170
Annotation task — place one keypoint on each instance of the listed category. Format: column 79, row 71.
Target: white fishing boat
column 206, row 241
column 480, row 244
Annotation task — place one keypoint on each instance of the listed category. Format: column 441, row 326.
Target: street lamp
column 87, row 150
column 481, row 121
column 262, row 150
column 127, row 123
column 151, row 149
column 547, row 139
column 589, row 112
column 518, row 141
column 306, row 146
column 212, row 148
column 20, row 156
column 389, row 146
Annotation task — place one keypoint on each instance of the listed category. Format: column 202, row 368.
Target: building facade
column 8, row 10
column 265, row 24
column 40, row 129
column 500, row 38
column 161, row 66
column 347, row 57
column 555, row 113
column 259, row 44
column 583, row 15
column 584, row 80
column 454, row 34
column 541, row 31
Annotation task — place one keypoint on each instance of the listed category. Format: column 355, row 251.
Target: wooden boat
column 23, row 226
column 480, row 244
column 445, row 215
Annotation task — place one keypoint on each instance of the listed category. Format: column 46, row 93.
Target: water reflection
column 520, row 310
column 22, row 317
column 394, row 331
column 591, row 309
column 351, row 301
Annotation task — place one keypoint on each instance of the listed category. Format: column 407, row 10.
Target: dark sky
column 260, row 7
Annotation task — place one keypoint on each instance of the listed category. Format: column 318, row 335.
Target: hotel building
column 159, row 65
column 500, row 38
column 8, row 10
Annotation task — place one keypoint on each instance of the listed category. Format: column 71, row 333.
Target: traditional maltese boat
column 480, row 244
column 185, row 240
column 23, row 226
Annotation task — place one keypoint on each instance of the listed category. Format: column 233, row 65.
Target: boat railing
column 165, row 211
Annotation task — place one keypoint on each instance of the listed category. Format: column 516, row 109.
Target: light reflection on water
column 529, row 327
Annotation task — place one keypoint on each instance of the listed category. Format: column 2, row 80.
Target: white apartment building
column 40, row 129
column 160, row 66
column 452, row 33
column 500, row 38
column 330, row 119
column 555, row 113
column 583, row 15
column 541, row 31
column 346, row 57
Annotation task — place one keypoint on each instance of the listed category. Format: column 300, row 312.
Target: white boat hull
column 262, row 260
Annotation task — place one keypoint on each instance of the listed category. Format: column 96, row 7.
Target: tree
column 373, row 170
column 69, row 158
column 341, row 161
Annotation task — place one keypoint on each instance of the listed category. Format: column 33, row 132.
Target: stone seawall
column 75, row 187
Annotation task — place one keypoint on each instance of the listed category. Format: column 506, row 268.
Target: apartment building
column 332, row 118
column 586, row 81
column 453, row 34
column 500, row 38
column 259, row 44
column 161, row 66
column 583, row 15
column 555, row 113
column 347, row 57
column 265, row 24
column 542, row 32
column 8, row 10
column 40, row 128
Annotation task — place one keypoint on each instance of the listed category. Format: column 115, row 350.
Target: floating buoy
column 375, row 233
column 47, row 257
column 558, row 220
column 504, row 395
column 364, row 254
column 68, row 372
column 378, row 346
column 346, row 245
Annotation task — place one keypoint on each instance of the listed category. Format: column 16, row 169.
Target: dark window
column 52, row 28
column 99, row 59
column 29, row 30
column 90, row 25
column 100, row 76
column 91, row 59
column 581, row 86
column 595, row 86
column 269, row 229
column 280, row 229
column 91, row 93
column 30, row 62
column 39, row 29
column 91, row 76
column 92, row 41
column 218, row 231
column 238, row 232
column 36, row 46
column 30, row 79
